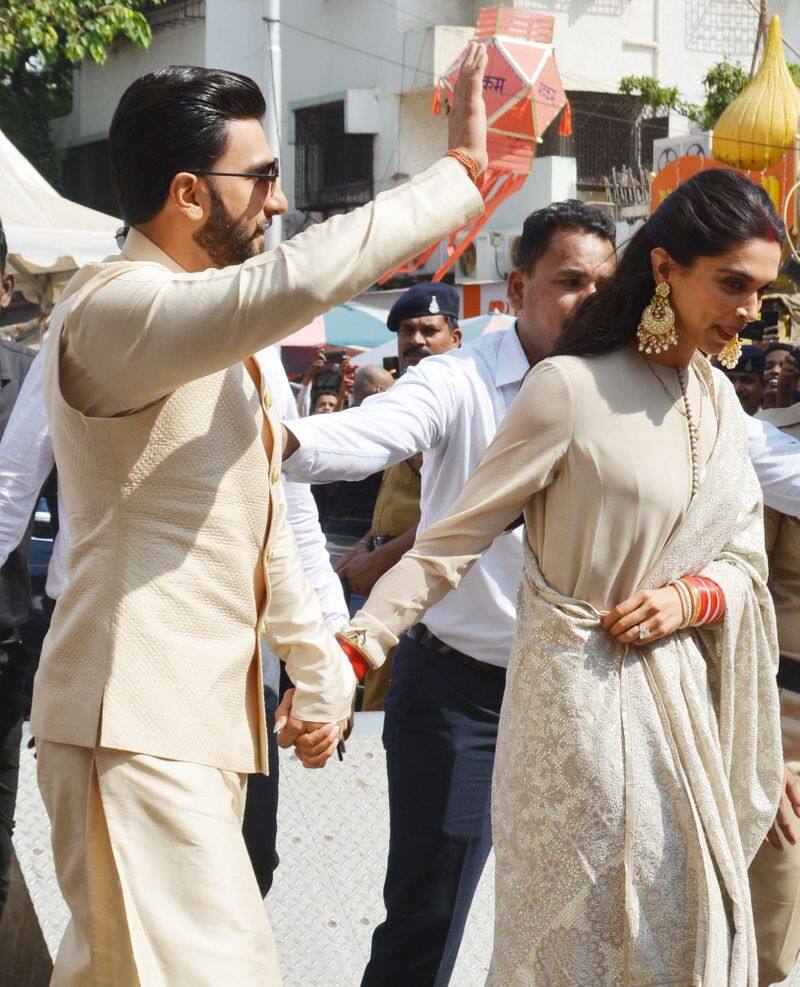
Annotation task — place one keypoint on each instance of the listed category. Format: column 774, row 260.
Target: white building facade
column 358, row 77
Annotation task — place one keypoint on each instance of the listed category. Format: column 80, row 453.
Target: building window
column 174, row 12
column 608, row 131
column 87, row 177
column 333, row 169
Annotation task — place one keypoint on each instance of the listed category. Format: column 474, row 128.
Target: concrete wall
column 99, row 87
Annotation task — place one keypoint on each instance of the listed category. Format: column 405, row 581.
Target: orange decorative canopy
column 523, row 94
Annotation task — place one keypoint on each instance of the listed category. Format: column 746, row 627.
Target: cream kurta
column 621, row 844
column 612, row 489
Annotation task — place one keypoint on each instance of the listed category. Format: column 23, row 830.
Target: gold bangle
column 696, row 600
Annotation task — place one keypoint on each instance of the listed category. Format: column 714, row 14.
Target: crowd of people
column 544, row 551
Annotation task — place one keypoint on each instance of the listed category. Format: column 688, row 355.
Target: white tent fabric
column 48, row 236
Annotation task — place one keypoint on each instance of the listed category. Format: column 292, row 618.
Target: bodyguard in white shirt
column 26, row 460
column 448, row 675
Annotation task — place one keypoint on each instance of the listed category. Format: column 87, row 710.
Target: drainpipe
column 272, row 94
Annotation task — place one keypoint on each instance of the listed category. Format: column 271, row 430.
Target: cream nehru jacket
column 169, row 459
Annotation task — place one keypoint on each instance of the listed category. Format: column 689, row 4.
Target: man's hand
column 789, row 806
column 290, row 443
column 313, row 742
column 771, row 335
column 359, row 548
column 658, row 610
column 787, row 382
column 363, row 570
column 315, row 366
column 467, row 121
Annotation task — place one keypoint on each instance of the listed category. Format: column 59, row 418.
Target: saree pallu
column 633, row 785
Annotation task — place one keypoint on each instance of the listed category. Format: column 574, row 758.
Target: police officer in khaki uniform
column 774, row 875
column 425, row 319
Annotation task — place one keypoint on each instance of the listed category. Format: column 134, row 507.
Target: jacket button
column 269, row 556
column 262, row 628
column 267, row 400
column 275, row 475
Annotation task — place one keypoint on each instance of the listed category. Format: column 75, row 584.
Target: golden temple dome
column 758, row 128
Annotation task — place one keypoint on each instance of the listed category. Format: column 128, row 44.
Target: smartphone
column 334, row 356
column 392, row 364
column 754, row 330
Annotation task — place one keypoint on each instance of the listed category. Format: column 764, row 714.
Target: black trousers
column 440, row 733
column 14, row 671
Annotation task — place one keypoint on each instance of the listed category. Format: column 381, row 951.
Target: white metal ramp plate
column 332, row 839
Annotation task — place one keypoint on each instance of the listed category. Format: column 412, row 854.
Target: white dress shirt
column 776, row 458
column 302, row 508
column 448, row 407
column 26, row 459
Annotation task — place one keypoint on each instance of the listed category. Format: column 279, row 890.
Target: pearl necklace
column 688, row 414
column 694, row 429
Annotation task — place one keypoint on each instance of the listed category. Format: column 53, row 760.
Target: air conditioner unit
column 490, row 257
column 667, row 149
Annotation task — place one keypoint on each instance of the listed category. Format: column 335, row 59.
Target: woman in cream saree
column 638, row 765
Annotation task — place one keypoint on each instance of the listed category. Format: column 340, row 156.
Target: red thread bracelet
column 354, row 656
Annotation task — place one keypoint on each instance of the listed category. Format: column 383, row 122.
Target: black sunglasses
column 264, row 176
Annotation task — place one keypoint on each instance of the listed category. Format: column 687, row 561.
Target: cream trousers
column 151, row 862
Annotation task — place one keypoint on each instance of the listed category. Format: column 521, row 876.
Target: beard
column 223, row 238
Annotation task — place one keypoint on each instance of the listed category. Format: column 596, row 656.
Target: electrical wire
column 791, row 48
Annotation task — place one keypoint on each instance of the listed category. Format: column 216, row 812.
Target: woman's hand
column 658, row 611
column 788, row 807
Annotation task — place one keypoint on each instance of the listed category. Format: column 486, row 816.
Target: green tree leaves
column 40, row 41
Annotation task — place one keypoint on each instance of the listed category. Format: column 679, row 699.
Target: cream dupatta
column 633, row 786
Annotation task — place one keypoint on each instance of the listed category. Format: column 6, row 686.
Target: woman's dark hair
column 172, row 120
column 712, row 213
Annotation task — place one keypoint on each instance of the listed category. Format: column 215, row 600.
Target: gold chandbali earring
column 656, row 332
column 731, row 353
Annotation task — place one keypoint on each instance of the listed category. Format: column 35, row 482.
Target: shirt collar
column 512, row 363
column 138, row 247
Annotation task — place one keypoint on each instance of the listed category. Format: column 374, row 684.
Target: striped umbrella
column 351, row 324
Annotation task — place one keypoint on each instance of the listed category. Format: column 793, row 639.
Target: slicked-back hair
column 571, row 214
column 171, row 120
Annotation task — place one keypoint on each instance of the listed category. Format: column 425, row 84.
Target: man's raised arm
column 168, row 329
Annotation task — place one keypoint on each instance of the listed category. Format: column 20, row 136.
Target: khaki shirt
column 783, row 549
column 397, row 506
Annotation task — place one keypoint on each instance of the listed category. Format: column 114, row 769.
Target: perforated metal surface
column 333, row 836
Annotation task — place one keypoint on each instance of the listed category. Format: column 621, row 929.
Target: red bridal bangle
column 354, row 656
column 711, row 605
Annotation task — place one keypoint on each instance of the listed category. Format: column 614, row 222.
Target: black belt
column 789, row 674
column 421, row 634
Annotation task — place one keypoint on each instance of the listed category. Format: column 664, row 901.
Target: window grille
column 720, row 26
column 333, row 169
column 174, row 12
column 609, row 132
column 87, row 177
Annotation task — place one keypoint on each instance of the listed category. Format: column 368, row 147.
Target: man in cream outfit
column 148, row 705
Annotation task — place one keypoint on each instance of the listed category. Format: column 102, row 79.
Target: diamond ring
column 644, row 632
